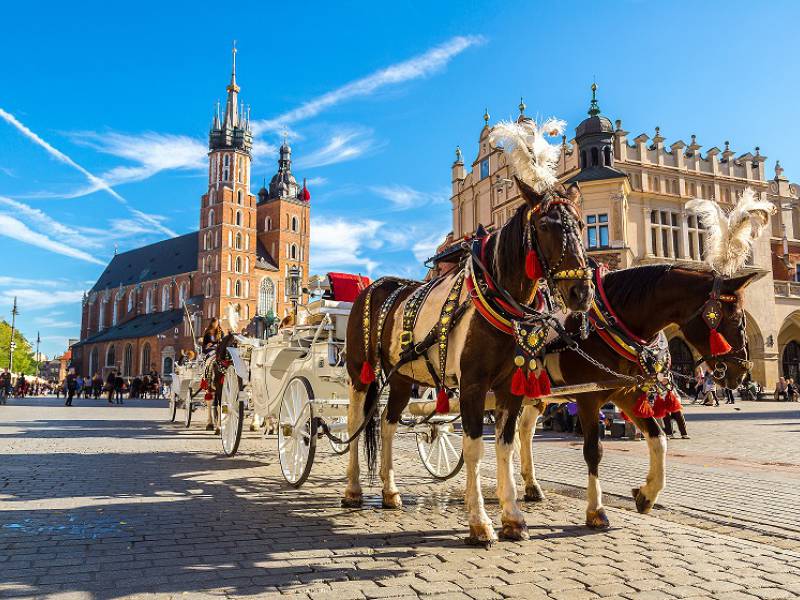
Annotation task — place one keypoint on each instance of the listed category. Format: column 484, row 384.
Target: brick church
column 133, row 319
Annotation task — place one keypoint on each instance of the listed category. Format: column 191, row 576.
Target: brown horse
column 479, row 357
column 646, row 300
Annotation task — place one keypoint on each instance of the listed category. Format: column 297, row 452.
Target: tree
column 23, row 354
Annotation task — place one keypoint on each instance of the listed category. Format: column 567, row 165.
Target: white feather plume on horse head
column 730, row 236
column 529, row 153
column 233, row 318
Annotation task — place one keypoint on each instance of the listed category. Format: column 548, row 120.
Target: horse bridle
column 714, row 305
column 569, row 231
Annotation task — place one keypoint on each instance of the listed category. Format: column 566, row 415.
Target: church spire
column 232, row 104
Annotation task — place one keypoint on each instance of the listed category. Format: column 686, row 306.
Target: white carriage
column 185, row 390
column 298, row 377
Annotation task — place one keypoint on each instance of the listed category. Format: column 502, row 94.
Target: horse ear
column 735, row 284
column 531, row 197
column 574, row 194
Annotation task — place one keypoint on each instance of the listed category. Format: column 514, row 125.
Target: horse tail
column 372, row 414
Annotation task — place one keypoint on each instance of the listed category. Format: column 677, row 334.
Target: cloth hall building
column 133, row 319
column 634, row 194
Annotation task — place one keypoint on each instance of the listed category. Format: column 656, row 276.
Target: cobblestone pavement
column 112, row 502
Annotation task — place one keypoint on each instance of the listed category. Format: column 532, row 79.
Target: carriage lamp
column 293, row 287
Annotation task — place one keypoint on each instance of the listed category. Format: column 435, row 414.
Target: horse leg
column 353, row 496
column 399, row 393
column 588, row 411
column 255, row 422
column 210, row 415
column 511, row 518
column 646, row 495
column 527, row 429
column 473, row 398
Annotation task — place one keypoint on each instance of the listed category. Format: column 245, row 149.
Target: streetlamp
column 12, row 344
column 293, row 289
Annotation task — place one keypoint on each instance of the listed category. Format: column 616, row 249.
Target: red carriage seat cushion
column 345, row 287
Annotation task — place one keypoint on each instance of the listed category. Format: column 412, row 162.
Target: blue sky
column 106, row 108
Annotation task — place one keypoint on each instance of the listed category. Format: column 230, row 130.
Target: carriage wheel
column 187, row 408
column 297, row 443
column 440, row 450
column 231, row 413
column 339, row 448
column 172, row 408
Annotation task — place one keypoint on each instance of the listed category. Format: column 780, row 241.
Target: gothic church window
column 266, row 297
column 127, row 361
column 210, row 218
column 239, row 197
column 146, row 358
column 238, row 239
column 237, row 289
column 226, row 168
column 165, row 298
column 130, row 300
column 238, row 264
column 239, row 218
column 268, row 224
column 293, row 251
column 294, row 224
column 111, row 356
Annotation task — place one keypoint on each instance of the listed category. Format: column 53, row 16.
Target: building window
column 101, row 316
column 167, row 370
column 146, row 358
column 182, row 295
column 791, row 360
column 94, row 362
column 165, row 298
column 595, row 157
column 665, row 233
column 293, row 251
column 607, row 156
column 597, row 231
column 207, row 290
column 266, row 297
column 111, row 358
column 228, row 287
column 697, row 238
column 295, row 226
column 238, row 241
column 583, row 159
column 127, row 361
column 239, row 218
column 238, row 264
column 210, row 218
column 226, row 170
column 268, row 224
column 237, row 289
column 114, row 312
column 131, row 295
column 148, row 301
column 239, row 197
column 485, row 168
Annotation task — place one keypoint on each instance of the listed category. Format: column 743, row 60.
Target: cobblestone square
column 101, row 501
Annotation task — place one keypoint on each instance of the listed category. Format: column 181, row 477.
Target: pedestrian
column 791, row 390
column 678, row 417
column 698, row 385
column 71, row 386
column 97, row 385
column 710, row 390
column 119, row 384
column 110, row 383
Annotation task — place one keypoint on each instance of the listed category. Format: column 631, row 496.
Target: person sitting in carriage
column 211, row 337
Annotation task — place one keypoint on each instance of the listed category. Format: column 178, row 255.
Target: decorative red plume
column 209, row 396
column 367, row 373
column 306, row 194
column 532, row 390
column 659, row 407
column 544, row 383
column 533, row 268
column 719, row 345
column 442, row 401
column 518, row 382
column 672, row 402
column 643, row 408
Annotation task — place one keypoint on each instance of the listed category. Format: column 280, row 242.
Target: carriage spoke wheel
column 187, row 408
column 231, row 415
column 297, row 443
column 172, row 407
column 440, row 450
column 336, row 447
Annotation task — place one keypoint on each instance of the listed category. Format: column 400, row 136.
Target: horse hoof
column 392, row 500
column 514, row 532
column 216, row 431
column 253, row 427
column 534, row 493
column 481, row 536
column 209, row 427
column 643, row 504
column 352, row 501
column 597, row 519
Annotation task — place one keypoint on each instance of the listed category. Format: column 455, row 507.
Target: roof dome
column 594, row 124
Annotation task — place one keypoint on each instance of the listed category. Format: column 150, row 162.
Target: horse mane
column 627, row 287
column 508, row 246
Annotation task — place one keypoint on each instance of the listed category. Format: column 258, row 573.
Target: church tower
column 284, row 227
column 228, row 238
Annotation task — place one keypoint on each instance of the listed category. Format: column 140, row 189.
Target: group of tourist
column 115, row 385
column 787, row 389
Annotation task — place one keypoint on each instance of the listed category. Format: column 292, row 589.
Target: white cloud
column 426, row 247
column 345, row 144
column 22, row 281
column 16, row 229
column 420, row 66
column 95, row 181
column 342, row 243
column 51, row 323
column 317, row 181
column 31, row 299
column 403, row 197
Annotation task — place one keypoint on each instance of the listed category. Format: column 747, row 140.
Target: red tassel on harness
column 533, row 268
column 209, row 396
column 544, row 383
column 367, row 373
column 442, row 402
column 532, row 390
column 672, row 402
column 518, row 382
column 659, row 407
column 643, row 408
column 203, row 384
column 719, row 345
